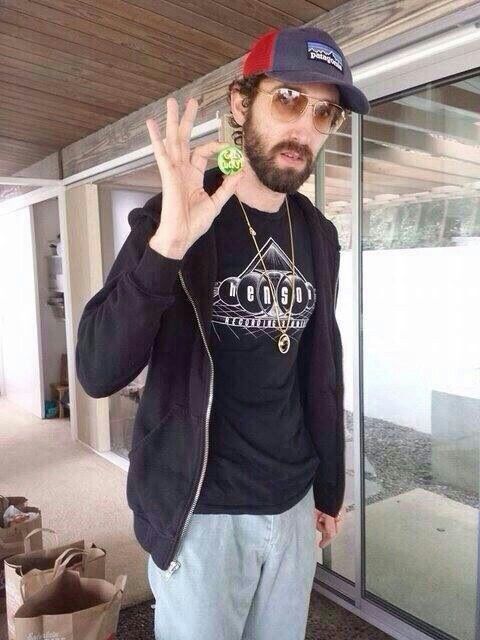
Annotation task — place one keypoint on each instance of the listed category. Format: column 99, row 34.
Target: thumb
column 226, row 190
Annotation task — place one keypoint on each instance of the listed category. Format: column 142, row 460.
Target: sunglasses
column 287, row 105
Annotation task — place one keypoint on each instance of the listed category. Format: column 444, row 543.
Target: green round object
column 230, row 160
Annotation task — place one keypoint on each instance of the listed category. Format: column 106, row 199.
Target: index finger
column 186, row 125
column 188, row 118
column 159, row 150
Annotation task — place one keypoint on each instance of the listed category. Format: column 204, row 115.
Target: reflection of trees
column 433, row 223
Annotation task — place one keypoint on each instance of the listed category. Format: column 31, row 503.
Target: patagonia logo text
column 320, row 51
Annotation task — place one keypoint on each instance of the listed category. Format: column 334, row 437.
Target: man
column 227, row 289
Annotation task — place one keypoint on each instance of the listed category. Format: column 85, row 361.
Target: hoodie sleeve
column 119, row 323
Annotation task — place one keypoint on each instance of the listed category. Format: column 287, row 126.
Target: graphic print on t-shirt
column 244, row 303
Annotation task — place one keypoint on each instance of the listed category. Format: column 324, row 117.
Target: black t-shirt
column 261, row 458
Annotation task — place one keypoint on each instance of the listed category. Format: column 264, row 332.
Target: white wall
column 18, row 311
column 421, row 319
column 53, row 332
column 123, row 202
column 2, row 380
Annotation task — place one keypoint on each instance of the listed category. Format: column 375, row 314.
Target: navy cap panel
column 309, row 49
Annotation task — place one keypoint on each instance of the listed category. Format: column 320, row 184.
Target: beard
column 282, row 180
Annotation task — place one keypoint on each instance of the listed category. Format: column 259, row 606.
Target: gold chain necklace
column 283, row 341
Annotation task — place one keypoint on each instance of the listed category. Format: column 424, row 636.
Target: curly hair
column 247, row 86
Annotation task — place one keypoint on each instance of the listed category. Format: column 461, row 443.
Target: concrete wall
column 19, row 317
column 421, row 313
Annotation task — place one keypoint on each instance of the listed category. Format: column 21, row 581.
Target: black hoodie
column 156, row 310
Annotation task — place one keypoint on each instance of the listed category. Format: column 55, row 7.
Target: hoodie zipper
column 175, row 564
column 337, row 260
column 336, row 294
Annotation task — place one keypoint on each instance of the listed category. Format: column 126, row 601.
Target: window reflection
column 421, row 354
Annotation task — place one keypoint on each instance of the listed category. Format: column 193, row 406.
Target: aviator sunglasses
column 287, row 105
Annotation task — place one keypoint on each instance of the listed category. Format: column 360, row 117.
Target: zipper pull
column 174, row 565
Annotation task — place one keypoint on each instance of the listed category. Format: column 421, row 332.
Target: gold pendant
column 284, row 343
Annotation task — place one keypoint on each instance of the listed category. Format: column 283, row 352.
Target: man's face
column 265, row 139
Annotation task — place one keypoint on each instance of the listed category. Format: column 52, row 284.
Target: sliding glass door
column 409, row 315
column 420, row 248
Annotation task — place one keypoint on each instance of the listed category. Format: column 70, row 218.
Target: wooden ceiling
column 69, row 67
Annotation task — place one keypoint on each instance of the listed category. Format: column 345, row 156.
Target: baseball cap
column 305, row 54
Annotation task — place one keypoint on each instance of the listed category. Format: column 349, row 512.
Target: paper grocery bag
column 27, row 573
column 30, row 540
column 12, row 537
column 71, row 608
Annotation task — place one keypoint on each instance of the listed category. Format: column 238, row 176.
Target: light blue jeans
column 242, row 577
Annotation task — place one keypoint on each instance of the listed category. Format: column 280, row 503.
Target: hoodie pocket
column 141, row 434
column 163, row 469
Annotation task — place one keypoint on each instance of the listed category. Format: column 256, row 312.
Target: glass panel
column 334, row 198
column 421, row 422
column 118, row 195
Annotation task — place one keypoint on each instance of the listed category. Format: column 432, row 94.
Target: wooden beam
column 13, row 191
column 84, row 268
column 454, row 97
column 443, row 164
column 354, row 25
column 48, row 167
column 428, row 120
column 387, row 183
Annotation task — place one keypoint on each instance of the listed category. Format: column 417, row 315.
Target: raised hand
column 187, row 210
